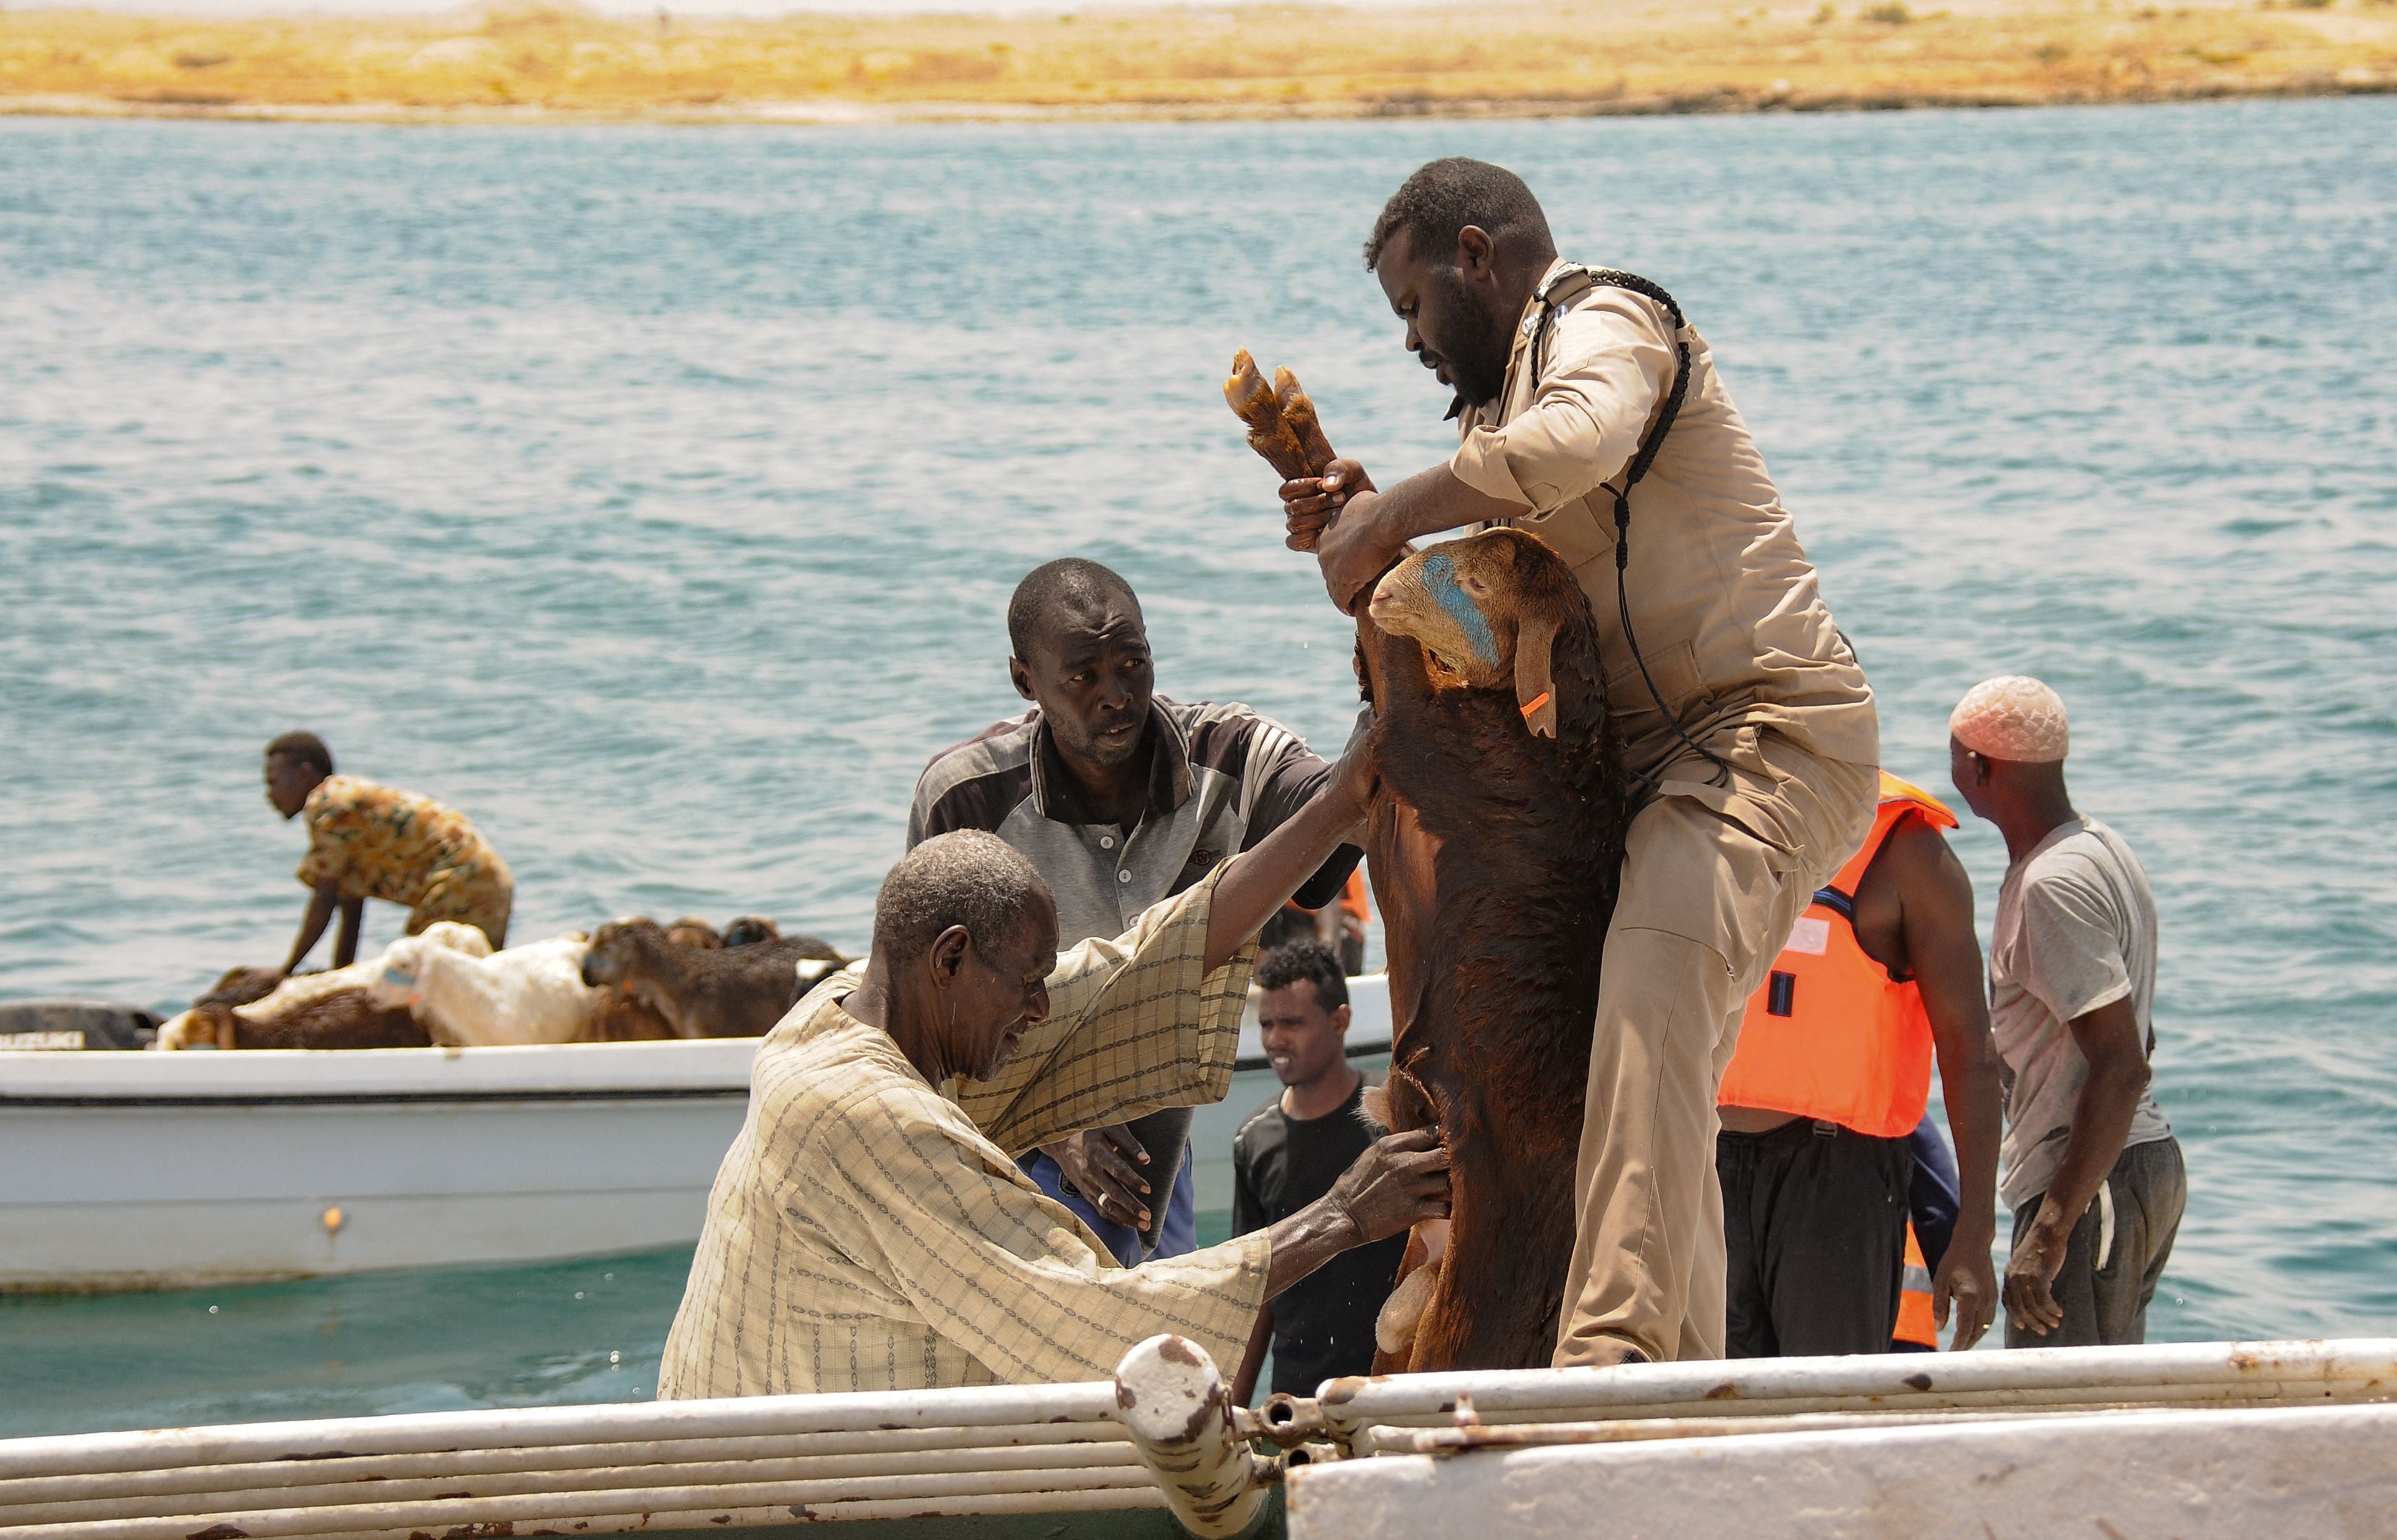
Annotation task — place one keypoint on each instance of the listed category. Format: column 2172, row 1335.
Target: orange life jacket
column 1352, row 901
column 1831, row 1035
column 1916, row 1325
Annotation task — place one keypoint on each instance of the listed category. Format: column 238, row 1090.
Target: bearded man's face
column 1454, row 326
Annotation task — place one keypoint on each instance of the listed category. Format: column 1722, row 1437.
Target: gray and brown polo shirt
column 1221, row 778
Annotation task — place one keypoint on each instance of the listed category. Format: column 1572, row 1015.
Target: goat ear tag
column 1535, row 692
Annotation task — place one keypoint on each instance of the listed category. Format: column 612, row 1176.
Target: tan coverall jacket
column 1741, row 647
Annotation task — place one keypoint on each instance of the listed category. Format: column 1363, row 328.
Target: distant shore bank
column 547, row 64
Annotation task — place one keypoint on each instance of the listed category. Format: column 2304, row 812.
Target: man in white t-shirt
column 2093, row 1172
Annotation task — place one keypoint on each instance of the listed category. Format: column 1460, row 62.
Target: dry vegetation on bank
column 515, row 58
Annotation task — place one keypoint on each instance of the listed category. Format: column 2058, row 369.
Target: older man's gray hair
column 967, row 877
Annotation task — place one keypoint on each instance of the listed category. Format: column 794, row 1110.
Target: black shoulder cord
column 1641, row 460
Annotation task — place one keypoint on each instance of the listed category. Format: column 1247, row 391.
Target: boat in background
column 156, row 1170
column 147, row 1170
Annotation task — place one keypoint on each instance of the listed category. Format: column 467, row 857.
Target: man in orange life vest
column 1829, row 1079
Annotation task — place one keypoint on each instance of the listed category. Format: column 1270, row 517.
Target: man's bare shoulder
column 1917, row 860
column 1914, row 876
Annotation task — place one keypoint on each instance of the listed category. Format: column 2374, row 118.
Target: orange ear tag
column 1534, row 704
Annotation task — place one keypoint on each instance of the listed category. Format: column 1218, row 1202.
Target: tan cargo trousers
column 1713, row 877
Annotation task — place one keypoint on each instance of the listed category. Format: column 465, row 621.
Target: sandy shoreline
column 836, row 113
column 512, row 62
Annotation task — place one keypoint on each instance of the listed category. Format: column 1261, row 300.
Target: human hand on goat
column 1355, row 549
column 1401, row 1179
column 1098, row 1164
column 1313, row 502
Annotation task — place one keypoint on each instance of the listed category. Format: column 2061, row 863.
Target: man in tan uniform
column 1742, row 707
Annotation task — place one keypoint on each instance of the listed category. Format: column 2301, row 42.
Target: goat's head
column 692, row 930
column 452, row 936
column 1486, row 611
column 616, row 946
column 401, row 983
column 749, row 930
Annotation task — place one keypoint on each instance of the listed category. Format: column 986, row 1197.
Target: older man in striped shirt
column 870, row 1228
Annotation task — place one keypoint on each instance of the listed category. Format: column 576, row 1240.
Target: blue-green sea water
column 655, row 495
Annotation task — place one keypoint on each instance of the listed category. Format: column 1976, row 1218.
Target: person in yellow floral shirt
column 369, row 841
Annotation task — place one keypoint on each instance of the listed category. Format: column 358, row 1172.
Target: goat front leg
column 1401, row 1316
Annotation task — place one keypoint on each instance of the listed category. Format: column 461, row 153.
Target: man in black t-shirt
column 1290, row 1152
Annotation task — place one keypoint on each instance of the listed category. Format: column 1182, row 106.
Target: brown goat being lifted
column 707, row 992
column 1496, row 847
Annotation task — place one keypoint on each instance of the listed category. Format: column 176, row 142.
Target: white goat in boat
column 511, row 997
column 530, row 994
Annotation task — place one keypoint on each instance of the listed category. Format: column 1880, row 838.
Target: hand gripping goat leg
column 1281, row 420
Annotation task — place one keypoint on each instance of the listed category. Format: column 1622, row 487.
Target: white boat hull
column 289, row 1191
column 145, row 1171
column 2321, row 1472
column 164, row 1169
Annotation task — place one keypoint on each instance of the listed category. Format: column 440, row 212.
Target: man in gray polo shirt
column 1120, row 799
column 2092, row 1170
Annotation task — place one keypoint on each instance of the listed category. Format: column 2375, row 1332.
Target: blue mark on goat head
column 1440, row 577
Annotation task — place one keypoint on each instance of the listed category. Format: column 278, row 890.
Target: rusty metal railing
column 1162, row 1434
column 1367, row 1416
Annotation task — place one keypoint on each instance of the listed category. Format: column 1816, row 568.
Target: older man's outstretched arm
column 1151, row 1019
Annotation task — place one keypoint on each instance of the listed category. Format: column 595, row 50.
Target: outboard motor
column 68, row 1024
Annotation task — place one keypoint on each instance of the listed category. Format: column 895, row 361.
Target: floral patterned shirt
column 381, row 842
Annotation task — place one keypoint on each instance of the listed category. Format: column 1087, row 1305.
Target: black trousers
column 1814, row 1233
column 2117, row 1251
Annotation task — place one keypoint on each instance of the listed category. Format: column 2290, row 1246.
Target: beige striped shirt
column 869, row 1232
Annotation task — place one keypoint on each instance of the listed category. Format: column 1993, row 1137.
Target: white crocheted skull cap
column 2013, row 718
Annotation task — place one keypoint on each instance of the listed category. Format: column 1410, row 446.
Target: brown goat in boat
column 692, row 930
column 340, row 1017
column 749, row 930
column 626, row 1020
column 343, row 1018
column 717, row 992
column 240, row 986
column 1495, row 847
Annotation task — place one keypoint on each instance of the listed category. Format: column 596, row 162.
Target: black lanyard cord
column 1641, row 458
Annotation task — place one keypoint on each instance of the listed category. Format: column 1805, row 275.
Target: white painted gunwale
column 712, row 1063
